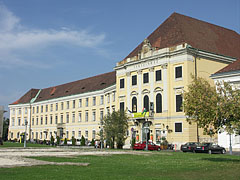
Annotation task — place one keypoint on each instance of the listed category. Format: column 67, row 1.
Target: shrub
column 58, row 140
column 133, row 141
column 93, row 142
column 52, row 140
column 82, row 141
column 73, row 141
column 44, row 141
column 65, row 141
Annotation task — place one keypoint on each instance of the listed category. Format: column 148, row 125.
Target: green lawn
column 10, row 145
column 157, row 165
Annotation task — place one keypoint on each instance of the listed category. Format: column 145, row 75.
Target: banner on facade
column 140, row 115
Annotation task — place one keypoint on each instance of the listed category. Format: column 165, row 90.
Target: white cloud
column 17, row 41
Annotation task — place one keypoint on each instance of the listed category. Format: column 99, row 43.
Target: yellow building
column 72, row 109
column 152, row 77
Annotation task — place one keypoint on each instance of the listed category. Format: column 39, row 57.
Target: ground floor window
column 178, row 127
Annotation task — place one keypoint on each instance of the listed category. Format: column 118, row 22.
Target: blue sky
column 50, row 42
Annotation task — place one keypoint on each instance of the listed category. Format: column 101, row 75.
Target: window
column 79, row 134
column 108, row 110
column 146, row 102
column 86, row 102
column 40, row 135
column 86, row 116
column 121, row 83
column 80, row 103
column 73, row 117
column 51, row 120
column 13, row 121
column 134, row 104
column 145, row 78
column 41, row 120
column 93, row 134
column 79, row 117
column 61, row 118
column 67, row 104
column 158, row 75
column 46, row 119
column 62, row 105
column 73, row 133
column 37, row 109
column 19, row 111
column 178, row 72
column 101, row 115
column 67, row 118
column 178, row 127
column 94, row 101
column 51, row 107
column 94, row 116
column 46, row 108
column 134, row 80
column 32, row 135
column 178, row 103
column 36, row 135
column 158, row 103
column 11, row 135
column 18, row 134
column 41, row 109
column 33, row 109
column 86, row 134
column 13, row 111
column 25, row 110
column 56, row 106
column 73, row 103
column 113, row 108
column 56, row 119
column 67, row 134
column 37, row 121
column 102, row 99
column 108, row 96
column 121, row 106
column 113, row 96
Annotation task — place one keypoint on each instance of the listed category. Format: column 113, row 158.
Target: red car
column 142, row 146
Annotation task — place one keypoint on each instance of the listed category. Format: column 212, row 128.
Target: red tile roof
column 235, row 66
column 26, row 98
column 178, row 29
column 77, row 87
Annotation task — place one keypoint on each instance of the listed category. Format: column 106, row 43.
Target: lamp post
column 25, row 134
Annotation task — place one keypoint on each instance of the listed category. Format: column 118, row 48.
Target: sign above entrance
column 140, row 115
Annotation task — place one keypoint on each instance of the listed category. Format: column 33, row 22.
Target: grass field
column 10, row 145
column 157, row 165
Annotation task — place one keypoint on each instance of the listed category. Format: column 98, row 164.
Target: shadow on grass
column 222, row 160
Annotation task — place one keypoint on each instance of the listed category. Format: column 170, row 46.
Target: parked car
column 142, row 146
column 189, row 147
column 210, row 148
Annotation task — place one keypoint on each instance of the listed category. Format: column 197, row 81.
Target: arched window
column 158, row 103
column 134, row 104
column 146, row 102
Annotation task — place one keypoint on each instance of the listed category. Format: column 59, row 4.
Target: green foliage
column 83, row 141
column 164, row 141
column 65, row 141
column 52, row 140
column 44, row 141
column 5, row 129
column 58, row 140
column 115, row 126
column 133, row 142
column 212, row 109
column 92, row 142
column 73, row 141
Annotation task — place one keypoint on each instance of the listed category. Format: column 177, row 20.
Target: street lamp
column 25, row 134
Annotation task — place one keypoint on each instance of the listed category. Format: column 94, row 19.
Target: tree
column 5, row 129
column 83, row 141
column 212, row 107
column 115, row 126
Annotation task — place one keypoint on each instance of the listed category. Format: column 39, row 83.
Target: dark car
column 210, row 148
column 189, row 147
column 142, row 146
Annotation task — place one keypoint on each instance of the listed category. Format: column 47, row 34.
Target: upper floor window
column 46, row 108
column 178, row 103
column 13, row 110
column 158, row 75
column 101, row 115
column 158, row 103
column 121, row 83
column 121, row 106
column 94, row 101
column 94, row 116
column 51, row 107
column 67, row 104
column 56, row 106
column 134, row 104
column 37, row 109
column 113, row 96
column 108, row 96
column 134, row 80
column 93, row 134
column 178, row 72
column 86, row 116
column 33, row 109
column 41, row 109
column 146, row 102
column 102, row 99
column 62, row 105
column 25, row 110
column 67, row 118
column 19, row 111
column 86, row 102
column 73, row 105
column 79, row 117
column 51, row 119
column 61, row 120
column 145, row 78
column 73, row 118
column 46, row 119
column 80, row 103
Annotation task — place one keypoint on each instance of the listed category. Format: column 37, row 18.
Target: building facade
column 148, row 83
column 230, row 74
column 50, row 112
